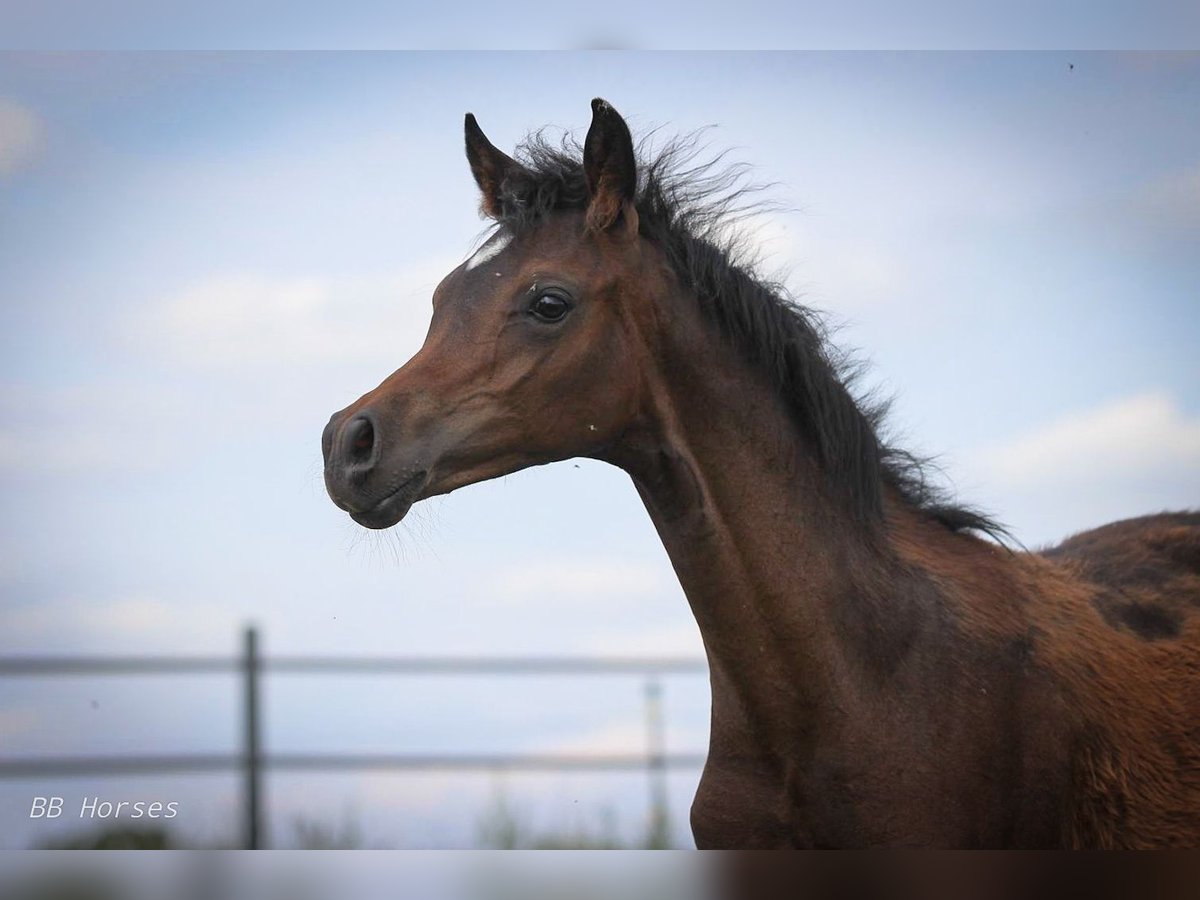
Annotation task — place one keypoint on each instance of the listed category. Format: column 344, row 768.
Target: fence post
column 658, row 835
column 252, row 748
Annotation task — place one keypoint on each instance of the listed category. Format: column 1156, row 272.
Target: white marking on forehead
column 489, row 250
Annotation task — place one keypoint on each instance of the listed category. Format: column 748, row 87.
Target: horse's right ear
column 610, row 168
column 489, row 165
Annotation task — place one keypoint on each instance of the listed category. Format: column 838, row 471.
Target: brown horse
column 882, row 674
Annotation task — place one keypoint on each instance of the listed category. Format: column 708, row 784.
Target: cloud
column 830, row 262
column 20, row 137
column 625, row 736
column 280, row 335
column 582, row 579
column 678, row 639
column 1124, row 439
column 16, row 722
column 249, row 321
column 85, row 427
column 130, row 620
column 1172, row 201
column 28, row 450
column 1155, row 61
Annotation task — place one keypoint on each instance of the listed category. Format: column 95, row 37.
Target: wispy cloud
column 1132, row 456
column 282, row 335
column 679, row 639
column 20, row 136
column 625, row 736
column 102, row 425
column 1125, row 438
column 822, row 259
column 133, row 620
column 1172, row 201
column 251, row 321
column 16, row 722
column 28, row 450
column 579, row 579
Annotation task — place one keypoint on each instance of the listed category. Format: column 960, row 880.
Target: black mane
column 691, row 208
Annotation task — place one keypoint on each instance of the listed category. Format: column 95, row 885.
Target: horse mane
column 693, row 209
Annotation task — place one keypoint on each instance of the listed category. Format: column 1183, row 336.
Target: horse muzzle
column 376, row 493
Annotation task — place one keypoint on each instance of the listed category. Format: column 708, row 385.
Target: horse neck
column 785, row 586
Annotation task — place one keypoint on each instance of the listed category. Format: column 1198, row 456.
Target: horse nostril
column 359, row 440
column 327, row 439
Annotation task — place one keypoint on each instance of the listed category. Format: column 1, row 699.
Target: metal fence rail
column 427, row 762
column 252, row 761
column 354, row 665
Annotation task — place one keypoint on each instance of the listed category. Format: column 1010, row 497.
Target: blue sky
column 704, row 25
column 202, row 256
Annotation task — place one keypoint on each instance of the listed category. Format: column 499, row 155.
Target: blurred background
column 204, row 255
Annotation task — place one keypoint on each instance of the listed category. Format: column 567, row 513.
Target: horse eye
column 549, row 306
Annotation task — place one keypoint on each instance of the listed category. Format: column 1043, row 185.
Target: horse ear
column 610, row 167
column 489, row 165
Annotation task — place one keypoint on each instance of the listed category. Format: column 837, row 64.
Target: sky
column 204, row 255
column 696, row 25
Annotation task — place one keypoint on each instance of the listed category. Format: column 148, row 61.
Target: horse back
column 1146, row 571
column 1134, row 670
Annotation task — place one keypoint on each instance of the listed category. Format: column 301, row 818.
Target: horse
column 887, row 668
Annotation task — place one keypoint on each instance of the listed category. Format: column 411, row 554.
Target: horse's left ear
column 489, row 165
column 611, row 169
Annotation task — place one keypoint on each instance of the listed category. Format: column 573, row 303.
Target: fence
column 252, row 762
